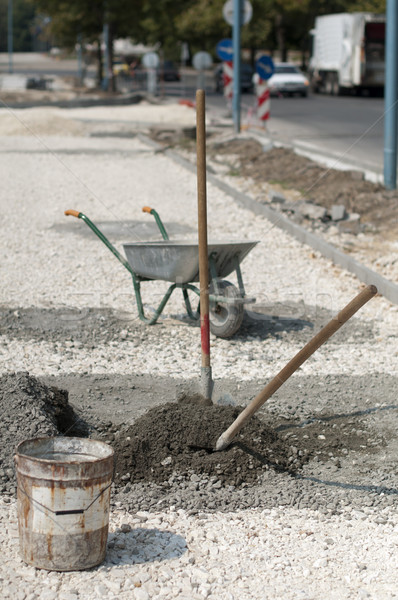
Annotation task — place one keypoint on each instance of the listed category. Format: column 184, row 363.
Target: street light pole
column 391, row 97
column 236, row 50
column 10, row 36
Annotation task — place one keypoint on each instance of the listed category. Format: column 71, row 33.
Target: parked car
column 120, row 67
column 288, row 80
column 246, row 77
column 168, row 71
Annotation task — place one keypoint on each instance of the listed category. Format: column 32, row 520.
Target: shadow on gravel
column 88, row 325
column 325, row 419
column 277, row 319
column 143, row 546
column 375, row 489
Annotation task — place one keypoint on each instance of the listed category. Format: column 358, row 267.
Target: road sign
column 202, row 60
column 225, row 50
column 228, row 12
column 265, row 67
column 150, row 60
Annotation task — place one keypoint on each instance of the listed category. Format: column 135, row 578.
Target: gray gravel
column 69, row 319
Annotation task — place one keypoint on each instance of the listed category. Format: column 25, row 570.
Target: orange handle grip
column 147, row 209
column 72, row 213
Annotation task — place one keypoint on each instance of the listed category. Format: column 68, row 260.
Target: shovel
column 209, row 392
column 320, row 338
column 205, row 374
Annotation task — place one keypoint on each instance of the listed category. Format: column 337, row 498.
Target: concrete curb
column 386, row 288
column 83, row 101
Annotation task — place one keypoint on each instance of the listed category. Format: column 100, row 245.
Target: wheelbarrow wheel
column 225, row 318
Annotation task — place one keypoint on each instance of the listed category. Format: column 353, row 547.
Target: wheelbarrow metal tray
column 178, row 261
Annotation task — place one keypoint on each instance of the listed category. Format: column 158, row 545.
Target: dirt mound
column 322, row 185
column 176, row 438
column 38, row 121
column 30, row 409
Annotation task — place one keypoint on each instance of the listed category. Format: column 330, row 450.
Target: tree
column 23, row 15
column 159, row 24
column 85, row 19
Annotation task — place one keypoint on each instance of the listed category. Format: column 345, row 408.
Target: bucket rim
column 20, row 453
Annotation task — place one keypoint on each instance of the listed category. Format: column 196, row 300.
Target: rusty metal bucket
column 63, row 501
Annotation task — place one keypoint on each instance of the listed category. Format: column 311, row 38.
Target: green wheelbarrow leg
column 185, row 288
column 159, row 310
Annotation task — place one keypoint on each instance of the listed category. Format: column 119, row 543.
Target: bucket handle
column 76, row 511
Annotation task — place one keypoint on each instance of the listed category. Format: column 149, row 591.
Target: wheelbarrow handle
column 102, row 237
column 158, row 220
column 72, row 213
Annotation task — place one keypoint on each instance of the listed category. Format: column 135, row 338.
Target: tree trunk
column 112, row 77
column 100, row 64
column 280, row 37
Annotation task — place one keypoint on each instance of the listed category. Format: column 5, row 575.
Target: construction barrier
column 228, row 79
column 263, row 100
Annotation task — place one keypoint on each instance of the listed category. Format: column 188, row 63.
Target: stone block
column 311, row 211
column 350, row 225
column 338, row 212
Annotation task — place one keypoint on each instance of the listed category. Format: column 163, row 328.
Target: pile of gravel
column 30, row 409
column 180, row 438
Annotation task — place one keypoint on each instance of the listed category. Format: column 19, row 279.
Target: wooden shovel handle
column 320, row 338
column 72, row 213
column 202, row 227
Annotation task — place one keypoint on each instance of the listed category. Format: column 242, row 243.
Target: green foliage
column 275, row 25
column 23, row 15
column 159, row 25
column 376, row 6
column 87, row 18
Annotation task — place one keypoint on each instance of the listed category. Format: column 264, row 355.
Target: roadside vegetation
column 277, row 25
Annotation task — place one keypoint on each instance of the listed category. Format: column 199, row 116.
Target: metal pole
column 391, row 96
column 105, row 81
column 10, row 36
column 236, row 49
column 80, row 58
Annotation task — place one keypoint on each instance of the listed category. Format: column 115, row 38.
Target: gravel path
column 67, row 315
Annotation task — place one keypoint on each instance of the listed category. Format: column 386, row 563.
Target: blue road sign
column 265, row 67
column 225, row 50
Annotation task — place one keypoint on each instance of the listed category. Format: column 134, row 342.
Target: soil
column 182, row 438
column 326, row 187
column 295, row 180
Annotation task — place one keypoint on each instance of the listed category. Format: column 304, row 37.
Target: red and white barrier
column 263, row 100
column 228, row 79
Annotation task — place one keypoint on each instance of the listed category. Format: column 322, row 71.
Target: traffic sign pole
column 228, row 79
column 263, row 100
column 264, row 70
column 236, row 47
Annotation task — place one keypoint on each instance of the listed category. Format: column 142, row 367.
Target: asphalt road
column 345, row 131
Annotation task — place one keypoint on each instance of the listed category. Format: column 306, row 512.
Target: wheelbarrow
column 177, row 262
